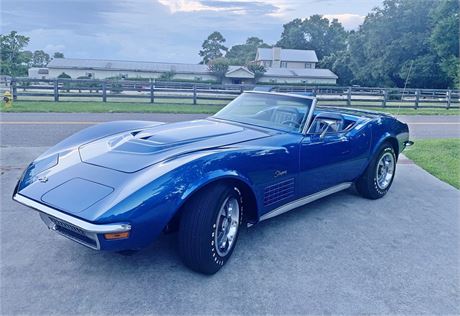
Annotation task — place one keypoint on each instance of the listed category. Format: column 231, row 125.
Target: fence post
column 417, row 98
column 349, row 96
column 104, row 91
column 152, row 93
column 385, row 98
column 56, row 91
column 194, row 94
column 14, row 89
column 241, row 89
column 449, row 98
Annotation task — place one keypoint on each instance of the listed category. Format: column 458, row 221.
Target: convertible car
column 116, row 186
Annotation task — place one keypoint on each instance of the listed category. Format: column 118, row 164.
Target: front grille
column 76, row 236
column 68, row 226
column 73, row 232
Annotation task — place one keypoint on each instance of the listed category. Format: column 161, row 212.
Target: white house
column 277, row 57
column 296, row 73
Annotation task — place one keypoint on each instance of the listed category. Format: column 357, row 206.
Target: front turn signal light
column 112, row 236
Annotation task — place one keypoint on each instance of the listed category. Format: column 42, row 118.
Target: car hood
column 136, row 150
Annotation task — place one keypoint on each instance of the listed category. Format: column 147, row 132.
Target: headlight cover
column 37, row 167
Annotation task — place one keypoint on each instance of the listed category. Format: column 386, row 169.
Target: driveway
column 339, row 255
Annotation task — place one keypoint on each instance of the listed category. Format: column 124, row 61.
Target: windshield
column 286, row 113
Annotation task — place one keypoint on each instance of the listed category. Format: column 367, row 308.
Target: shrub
column 64, row 76
column 167, row 76
column 219, row 67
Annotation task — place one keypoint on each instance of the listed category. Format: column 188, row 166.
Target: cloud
column 160, row 30
column 52, row 48
column 230, row 6
column 349, row 21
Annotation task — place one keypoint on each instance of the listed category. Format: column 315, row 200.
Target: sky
column 161, row 30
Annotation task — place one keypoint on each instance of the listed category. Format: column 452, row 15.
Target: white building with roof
column 277, row 57
column 276, row 73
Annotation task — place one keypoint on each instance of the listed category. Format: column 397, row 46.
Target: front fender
column 152, row 207
column 214, row 176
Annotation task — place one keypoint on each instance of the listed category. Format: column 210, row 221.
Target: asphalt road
column 339, row 255
column 46, row 129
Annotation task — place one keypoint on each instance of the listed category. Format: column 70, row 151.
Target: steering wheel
column 291, row 123
column 292, row 113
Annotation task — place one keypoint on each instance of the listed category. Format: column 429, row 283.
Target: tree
column 167, row 76
column 257, row 69
column 213, row 47
column 339, row 64
column 390, row 40
column 40, row 59
column 219, row 67
column 245, row 53
column 27, row 56
column 316, row 33
column 426, row 72
column 293, row 35
column 14, row 60
column 58, row 55
column 444, row 39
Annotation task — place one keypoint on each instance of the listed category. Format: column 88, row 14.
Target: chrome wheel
column 226, row 227
column 385, row 170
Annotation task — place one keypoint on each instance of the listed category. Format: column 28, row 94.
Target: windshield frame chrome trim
column 302, row 129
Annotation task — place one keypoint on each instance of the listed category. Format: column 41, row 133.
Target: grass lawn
column 440, row 157
column 168, row 106
column 417, row 112
column 98, row 107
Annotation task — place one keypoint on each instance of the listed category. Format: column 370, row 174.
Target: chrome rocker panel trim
column 305, row 200
column 91, row 230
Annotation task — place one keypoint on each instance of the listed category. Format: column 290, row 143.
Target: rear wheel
column 379, row 175
column 209, row 228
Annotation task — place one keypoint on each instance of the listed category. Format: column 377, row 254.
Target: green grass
column 104, row 107
column 418, row 111
column 168, row 106
column 440, row 157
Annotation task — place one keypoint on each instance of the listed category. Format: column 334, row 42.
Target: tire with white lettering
column 209, row 227
column 378, row 177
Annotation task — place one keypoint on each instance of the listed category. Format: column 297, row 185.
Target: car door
column 328, row 158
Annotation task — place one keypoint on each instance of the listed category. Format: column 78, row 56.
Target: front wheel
column 209, row 228
column 379, row 175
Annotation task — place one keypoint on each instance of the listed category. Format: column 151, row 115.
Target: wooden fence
column 203, row 93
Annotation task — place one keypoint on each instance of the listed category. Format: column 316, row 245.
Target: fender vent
column 278, row 192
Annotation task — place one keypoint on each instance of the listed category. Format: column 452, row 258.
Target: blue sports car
column 116, row 186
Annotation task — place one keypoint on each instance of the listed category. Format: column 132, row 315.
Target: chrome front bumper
column 71, row 227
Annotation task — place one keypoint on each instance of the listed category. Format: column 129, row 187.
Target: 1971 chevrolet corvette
column 116, row 186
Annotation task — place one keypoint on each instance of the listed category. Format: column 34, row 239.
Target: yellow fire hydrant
column 8, row 99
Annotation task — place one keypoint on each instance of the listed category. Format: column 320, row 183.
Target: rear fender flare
column 386, row 137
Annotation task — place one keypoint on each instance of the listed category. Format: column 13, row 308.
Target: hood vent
column 130, row 152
